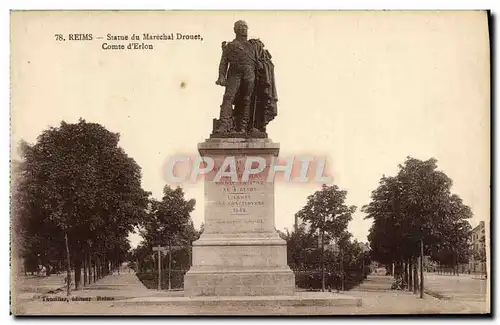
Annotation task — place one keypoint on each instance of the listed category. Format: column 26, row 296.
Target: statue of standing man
column 247, row 73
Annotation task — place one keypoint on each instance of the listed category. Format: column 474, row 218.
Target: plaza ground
column 447, row 295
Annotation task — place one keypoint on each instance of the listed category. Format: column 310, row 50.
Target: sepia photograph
column 250, row 163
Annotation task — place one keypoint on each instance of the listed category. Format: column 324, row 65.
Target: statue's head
column 241, row 28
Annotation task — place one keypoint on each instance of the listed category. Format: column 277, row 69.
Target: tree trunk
column 322, row 260
column 89, row 263
column 94, row 269
column 421, row 268
column 405, row 273
column 91, row 267
column 415, row 276
column 68, row 266
column 342, row 268
column 410, row 275
column 170, row 269
column 99, row 272
column 97, row 269
column 78, row 272
column 85, row 278
column 398, row 270
column 159, row 270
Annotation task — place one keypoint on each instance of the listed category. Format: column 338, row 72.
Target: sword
column 254, row 103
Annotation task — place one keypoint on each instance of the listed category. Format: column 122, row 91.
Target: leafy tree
column 415, row 211
column 344, row 262
column 453, row 248
column 168, row 222
column 142, row 258
column 302, row 248
column 327, row 213
column 78, row 186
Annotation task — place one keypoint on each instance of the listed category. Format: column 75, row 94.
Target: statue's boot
column 223, row 128
column 225, row 120
column 256, row 133
column 243, row 129
column 240, row 133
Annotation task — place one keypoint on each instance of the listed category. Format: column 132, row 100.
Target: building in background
column 477, row 261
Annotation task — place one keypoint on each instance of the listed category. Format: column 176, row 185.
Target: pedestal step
column 252, row 305
column 239, row 283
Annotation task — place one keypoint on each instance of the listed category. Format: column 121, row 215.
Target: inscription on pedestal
column 240, row 197
column 234, row 205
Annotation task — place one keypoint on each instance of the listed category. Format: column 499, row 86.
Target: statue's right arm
column 223, row 66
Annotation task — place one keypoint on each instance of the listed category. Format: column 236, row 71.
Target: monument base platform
column 239, row 265
column 245, row 303
column 239, row 283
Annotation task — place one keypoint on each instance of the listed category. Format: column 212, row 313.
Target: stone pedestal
column 239, row 253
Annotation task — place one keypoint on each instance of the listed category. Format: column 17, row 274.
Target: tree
column 327, row 213
column 142, row 258
column 453, row 248
column 79, row 187
column 302, row 248
column 345, row 266
column 415, row 213
column 168, row 222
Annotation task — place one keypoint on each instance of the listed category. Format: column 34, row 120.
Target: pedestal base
column 252, row 283
column 239, row 266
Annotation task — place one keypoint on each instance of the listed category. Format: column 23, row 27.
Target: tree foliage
column 168, row 222
column 417, row 205
column 327, row 212
column 77, row 181
column 345, row 261
column 325, row 218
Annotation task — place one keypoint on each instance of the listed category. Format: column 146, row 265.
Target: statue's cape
column 264, row 102
column 265, row 91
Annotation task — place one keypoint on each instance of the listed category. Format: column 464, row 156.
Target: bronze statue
column 247, row 72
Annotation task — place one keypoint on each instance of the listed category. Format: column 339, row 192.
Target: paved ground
column 376, row 297
column 117, row 286
column 32, row 283
column 457, row 287
column 29, row 287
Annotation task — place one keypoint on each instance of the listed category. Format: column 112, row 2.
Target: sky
column 363, row 89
